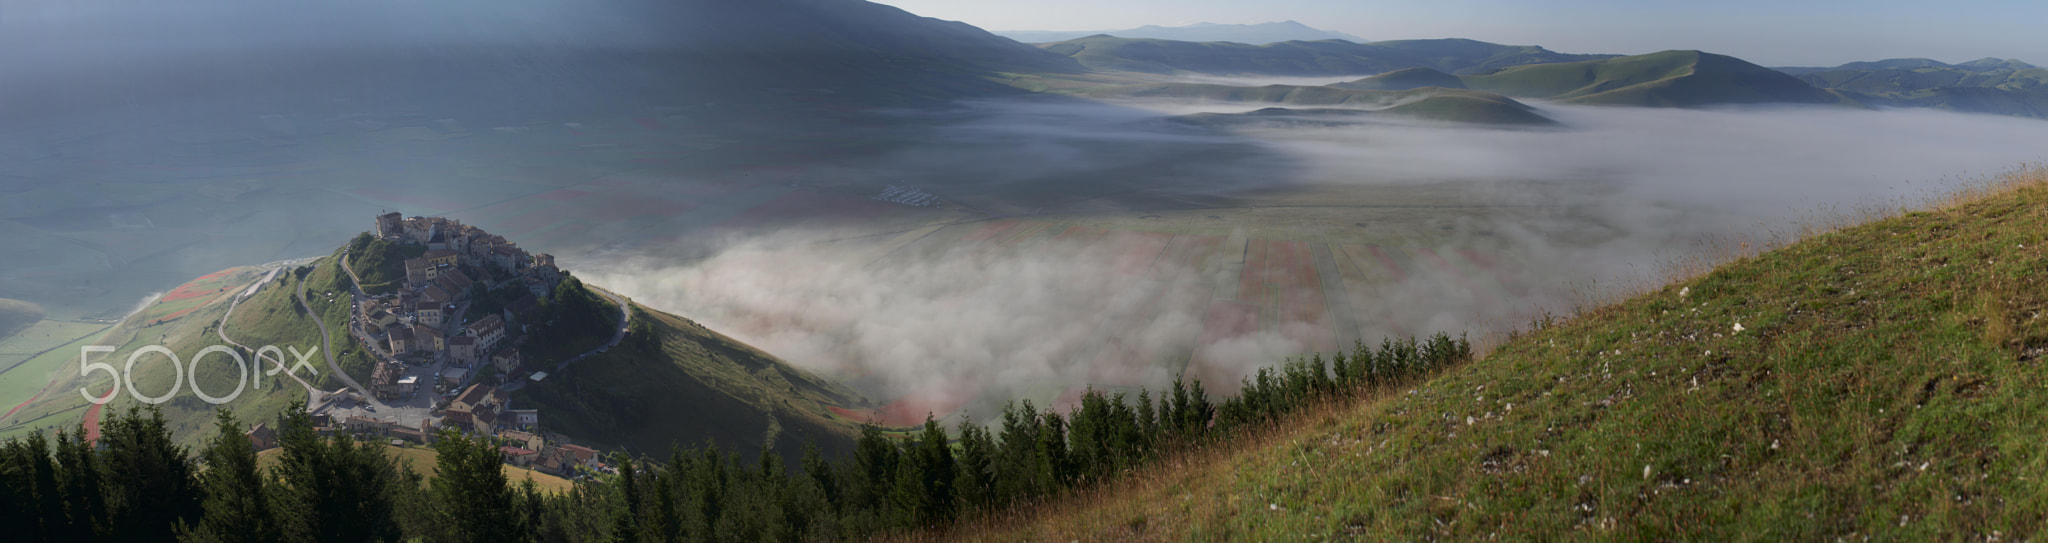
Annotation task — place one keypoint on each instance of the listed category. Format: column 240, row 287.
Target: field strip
column 1334, row 295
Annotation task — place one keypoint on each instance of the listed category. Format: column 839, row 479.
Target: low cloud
column 1606, row 200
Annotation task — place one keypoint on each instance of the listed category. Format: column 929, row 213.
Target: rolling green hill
column 1449, row 108
column 1323, row 57
column 1429, row 103
column 675, row 382
column 1990, row 85
column 1666, row 79
column 1405, row 79
column 1879, row 380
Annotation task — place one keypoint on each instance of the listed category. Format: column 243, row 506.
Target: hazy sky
column 1769, row 32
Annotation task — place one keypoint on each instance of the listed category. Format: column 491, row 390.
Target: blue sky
column 1776, row 33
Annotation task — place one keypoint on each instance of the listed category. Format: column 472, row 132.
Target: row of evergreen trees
column 136, row 485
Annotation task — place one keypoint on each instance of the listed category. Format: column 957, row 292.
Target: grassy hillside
column 674, row 382
column 423, row 461
column 17, row 315
column 1879, row 380
column 1666, row 79
column 380, row 264
column 184, row 321
column 1324, row 57
column 1405, row 79
column 1431, row 103
column 1996, row 86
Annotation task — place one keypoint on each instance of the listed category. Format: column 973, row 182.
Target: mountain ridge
column 1664, row 79
column 1253, row 34
column 1299, row 58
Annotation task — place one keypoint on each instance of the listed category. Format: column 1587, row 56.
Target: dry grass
column 1883, row 384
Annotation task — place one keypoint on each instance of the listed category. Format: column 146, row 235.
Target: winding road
column 312, row 393
column 625, row 323
column 327, row 349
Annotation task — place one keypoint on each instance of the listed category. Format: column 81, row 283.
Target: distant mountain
column 1980, row 65
column 97, row 54
column 1666, row 79
column 1986, row 85
column 1300, row 58
column 1255, row 34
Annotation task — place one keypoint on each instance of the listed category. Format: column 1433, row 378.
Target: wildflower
column 1738, row 327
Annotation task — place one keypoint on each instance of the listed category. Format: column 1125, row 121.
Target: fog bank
column 1606, row 200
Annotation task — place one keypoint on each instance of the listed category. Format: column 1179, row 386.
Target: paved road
column 312, row 393
column 625, row 320
column 411, row 409
column 327, row 349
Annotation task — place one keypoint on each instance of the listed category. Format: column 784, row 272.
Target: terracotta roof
column 473, row 395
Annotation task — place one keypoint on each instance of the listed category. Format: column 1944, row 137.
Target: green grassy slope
column 1884, row 381
column 673, row 381
column 1983, row 86
column 1666, row 79
column 264, row 319
column 17, row 315
column 380, row 264
column 1405, row 79
column 424, row 461
column 1454, row 105
column 1325, row 57
column 1463, row 56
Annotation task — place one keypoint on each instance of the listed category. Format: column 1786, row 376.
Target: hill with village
column 424, row 324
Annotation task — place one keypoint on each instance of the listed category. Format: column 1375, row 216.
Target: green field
column 261, row 320
column 33, row 355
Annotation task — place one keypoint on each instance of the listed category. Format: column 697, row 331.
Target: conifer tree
column 975, row 485
column 475, row 500
column 237, row 505
column 626, row 521
column 152, row 485
column 333, row 490
column 78, row 472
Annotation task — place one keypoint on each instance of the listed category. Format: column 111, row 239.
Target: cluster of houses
column 483, row 411
column 423, row 320
column 422, row 323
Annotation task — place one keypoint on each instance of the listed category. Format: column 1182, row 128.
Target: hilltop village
column 428, row 320
column 451, row 330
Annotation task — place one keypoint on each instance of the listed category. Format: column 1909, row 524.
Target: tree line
column 135, row 484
